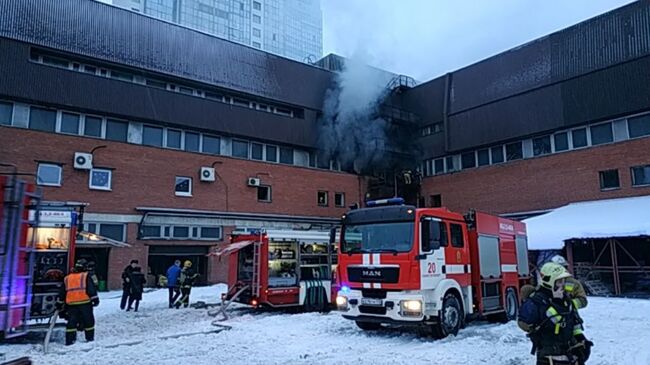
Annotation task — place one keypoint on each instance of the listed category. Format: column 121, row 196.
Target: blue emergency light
column 389, row 201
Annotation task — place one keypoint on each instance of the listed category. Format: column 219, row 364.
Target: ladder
column 597, row 288
column 255, row 283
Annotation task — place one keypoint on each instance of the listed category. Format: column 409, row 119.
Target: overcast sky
column 427, row 38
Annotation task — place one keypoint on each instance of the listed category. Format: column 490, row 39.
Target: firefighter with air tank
column 77, row 297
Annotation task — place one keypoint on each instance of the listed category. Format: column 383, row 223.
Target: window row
column 323, row 199
column 114, row 231
column 609, row 179
column 124, row 75
column 51, row 174
column 180, row 232
column 577, row 138
column 431, row 129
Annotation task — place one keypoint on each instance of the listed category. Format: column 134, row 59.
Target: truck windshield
column 378, row 237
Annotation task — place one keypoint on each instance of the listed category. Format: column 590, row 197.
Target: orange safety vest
column 75, row 287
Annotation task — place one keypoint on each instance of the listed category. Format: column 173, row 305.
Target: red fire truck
column 428, row 267
column 36, row 252
column 280, row 268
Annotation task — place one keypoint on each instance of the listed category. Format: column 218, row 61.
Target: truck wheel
column 368, row 326
column 451, row 317
column 511, row 309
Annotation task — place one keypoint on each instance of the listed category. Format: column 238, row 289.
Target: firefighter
column 126, row 282
column 552, row 322
column 77, row 297
column 92, row 273
column 185, row 281
column 573, row 287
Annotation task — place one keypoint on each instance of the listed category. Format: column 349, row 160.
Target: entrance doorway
column 162, row 257
column 98, row 255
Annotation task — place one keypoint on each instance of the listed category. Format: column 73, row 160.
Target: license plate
column 371, row 301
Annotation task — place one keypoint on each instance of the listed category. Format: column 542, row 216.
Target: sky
column 427, row 38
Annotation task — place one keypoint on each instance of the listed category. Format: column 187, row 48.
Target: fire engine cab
column 280, row 268
column 428, row 267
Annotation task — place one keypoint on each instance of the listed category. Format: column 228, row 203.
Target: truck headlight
column 411, row 306
column 342, row 302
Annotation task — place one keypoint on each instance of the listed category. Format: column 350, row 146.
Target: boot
column 90, row 335
column 70, row 337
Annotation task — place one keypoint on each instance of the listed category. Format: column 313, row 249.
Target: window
column 173, row 138
column 483, row 157
column 181, row 232
column 271, row 153
column 48, row 174
column 264, row 193
column 439, row 165
column 53, row 61
column 239, row 148
column 191, row 142
column 90, row 69
column 121, row 76
column 241, row 102
column 93, row 127
column 561, row 142
column 186, row 90
column 514, row 151
column 156, row 84
column 286, row 155
column 497, row 154
column 322, row 198
column 257, row 19
column 541, row 146
column 150, row 231
column 6, row 112
column 579, row 137
column 152, row 136
column 339, row 199
column 435, row 201
column 211, row 232
column 450, row 163
column 183, row 186
column 257, row 5
column 100, row 179
column 257, row 45
column 468, row 160
column 257, row 151
column 113, row 231
column 42, row 119
column 211, row 145
column 601, row 133
column 257, row 32
column 116, row 130
column 637, row 126
column 641, row 175
column 457, row 235
column 70, row 123
column 609, row 180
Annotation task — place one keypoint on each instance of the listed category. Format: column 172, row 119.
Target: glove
column 582, row 350
column 95, row 302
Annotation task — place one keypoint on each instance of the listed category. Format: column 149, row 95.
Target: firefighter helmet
column 81, row 265
column 187, row 263
column 550, row 273
column 560, row 261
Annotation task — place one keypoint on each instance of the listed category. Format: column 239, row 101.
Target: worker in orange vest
column 77, row 297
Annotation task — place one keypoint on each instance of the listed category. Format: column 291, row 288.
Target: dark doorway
column 162, row 257
column 98, row 255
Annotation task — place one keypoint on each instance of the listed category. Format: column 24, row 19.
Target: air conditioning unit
column 254, row 181
column 207, row 174
column 83, row 161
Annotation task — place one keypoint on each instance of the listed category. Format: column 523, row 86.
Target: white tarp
column 592, row 219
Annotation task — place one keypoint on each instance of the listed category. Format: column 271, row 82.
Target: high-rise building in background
column 290, row 28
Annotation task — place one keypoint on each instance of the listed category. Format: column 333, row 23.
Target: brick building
column 558, row 120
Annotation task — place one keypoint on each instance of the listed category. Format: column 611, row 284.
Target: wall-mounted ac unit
column 83, row 161
column 254, row 181
column 207, row 174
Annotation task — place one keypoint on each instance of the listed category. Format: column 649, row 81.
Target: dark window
column 468, row 160
column 561, row 142
column 183, row 186
column 195, row 231
column 210, row 232
column 173, row 138
column 450, row 163
column 92, row 227
column 90, row 69
column 70, row 123
column 191, row 142
column 322, row 198
column 271, row 153
column 514, row 151
column 339, row 199
column 53, row 61
column 181, row 232
column 497, row 154
column 214, row 96
column 257, row 151
column 283, row 111
column 112, row 231
column 641, row 175
column 156, row 84
column 541, row 146
column 241, row 102
column 483, row 157
column 211, row 145
column 48, row 174
column 322, row 162
column 150, row 231
column 121, row 76
column 457, row 235
column 439, row 165
column 116, row 130
column 167, row 231
column 42, row 119
column 186, row 90
column 312, row 159
column 609, row 179
column 6, row 111
column 93, row 127
column 152, row 136
column 579, row 138
column 286, row 155
column 257, row 5
column 637, row 126
column 239, row 149
column 264, row 193
column 601, row 133
column 436, row 201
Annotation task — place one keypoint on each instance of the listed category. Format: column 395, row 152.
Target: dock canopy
column 624, row 217
column 229, row 248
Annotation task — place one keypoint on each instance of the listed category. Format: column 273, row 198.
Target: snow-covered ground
column 620, row 329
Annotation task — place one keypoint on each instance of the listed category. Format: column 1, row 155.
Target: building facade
column 290, row 28
column 561, row 119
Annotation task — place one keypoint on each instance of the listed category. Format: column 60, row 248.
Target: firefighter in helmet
column 77, row 297
column 551, row 320
column 573, row 288
column 185, row 281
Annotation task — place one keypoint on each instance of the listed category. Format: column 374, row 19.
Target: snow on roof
column 592, row 219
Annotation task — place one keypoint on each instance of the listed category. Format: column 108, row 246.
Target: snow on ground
column 620, row 329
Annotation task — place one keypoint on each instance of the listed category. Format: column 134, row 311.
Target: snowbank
column 592, row 219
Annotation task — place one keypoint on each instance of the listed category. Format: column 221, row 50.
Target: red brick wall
column 542, row 182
